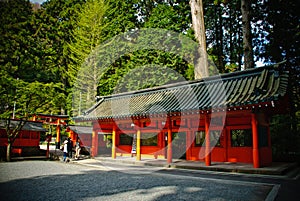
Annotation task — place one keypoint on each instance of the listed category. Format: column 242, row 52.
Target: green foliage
column 141, row 48
column 86, row 37
column 47, row 46
column 231, row 68
column 56, row 21
column 14, row 42
column 283, row 28
column 143, row 69
column 285, row 138
column 165, row 15
column 224, row 28
column 172, row 17
column 8, row 89
column 121, row 17
column 26, row 78
column 25, row 99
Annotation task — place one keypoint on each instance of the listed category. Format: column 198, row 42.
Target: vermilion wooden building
column 221, row 118
column 28, row 140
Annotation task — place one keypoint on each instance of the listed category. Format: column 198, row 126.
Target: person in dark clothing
column 70, row 147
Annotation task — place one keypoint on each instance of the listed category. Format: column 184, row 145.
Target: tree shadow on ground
column 91, row 184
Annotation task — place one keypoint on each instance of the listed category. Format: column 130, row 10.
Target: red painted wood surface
column 25, row 139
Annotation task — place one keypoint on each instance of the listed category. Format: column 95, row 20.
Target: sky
column 38, row 1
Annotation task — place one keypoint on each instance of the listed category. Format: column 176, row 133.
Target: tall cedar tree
column 201, row 64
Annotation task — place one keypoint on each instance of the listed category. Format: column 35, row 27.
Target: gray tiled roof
column 249, row 87
column 82, row 129
column 28, row 126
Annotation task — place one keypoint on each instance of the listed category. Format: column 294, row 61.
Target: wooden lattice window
column 199, row 138
column 241, row 137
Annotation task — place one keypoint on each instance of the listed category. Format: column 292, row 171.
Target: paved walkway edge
column 278, row 170
column 273, row 193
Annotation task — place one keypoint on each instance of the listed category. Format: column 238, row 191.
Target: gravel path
column 52, row 180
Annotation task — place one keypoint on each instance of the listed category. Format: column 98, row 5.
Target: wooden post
column 57, row 140
column 256, row 162
column 73, row 138
column 113, row 149
column 94, row 144
column 169, row 153
column 138, row 144
column 207, row 142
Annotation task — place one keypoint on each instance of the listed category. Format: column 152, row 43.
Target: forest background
column 43, row 47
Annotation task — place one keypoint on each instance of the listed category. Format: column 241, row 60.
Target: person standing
column 70, row 147
column 77, row 148
column 65, row 150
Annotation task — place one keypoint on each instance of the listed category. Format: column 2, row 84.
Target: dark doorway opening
column 179, row 145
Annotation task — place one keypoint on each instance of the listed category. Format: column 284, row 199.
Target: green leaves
column 26, row 75
column 86, row 37
column 25, row 99
column 50, row 45
column 37, row 97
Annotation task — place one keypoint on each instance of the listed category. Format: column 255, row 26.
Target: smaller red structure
column 27, row 142
column 83, row 132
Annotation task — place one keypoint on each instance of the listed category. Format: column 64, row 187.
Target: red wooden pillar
column 57, row 140
column 169, row 152
column 138, row 144
column 113, row 150
column 73, row 137
column 207, row 142
column 256, row 162
column 94, row 143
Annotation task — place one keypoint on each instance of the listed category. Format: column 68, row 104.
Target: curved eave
column 265, row 104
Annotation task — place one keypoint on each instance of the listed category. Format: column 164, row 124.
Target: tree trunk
column 8, row 151
column 200, row 63
column 12, row 134
column 247, row 38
